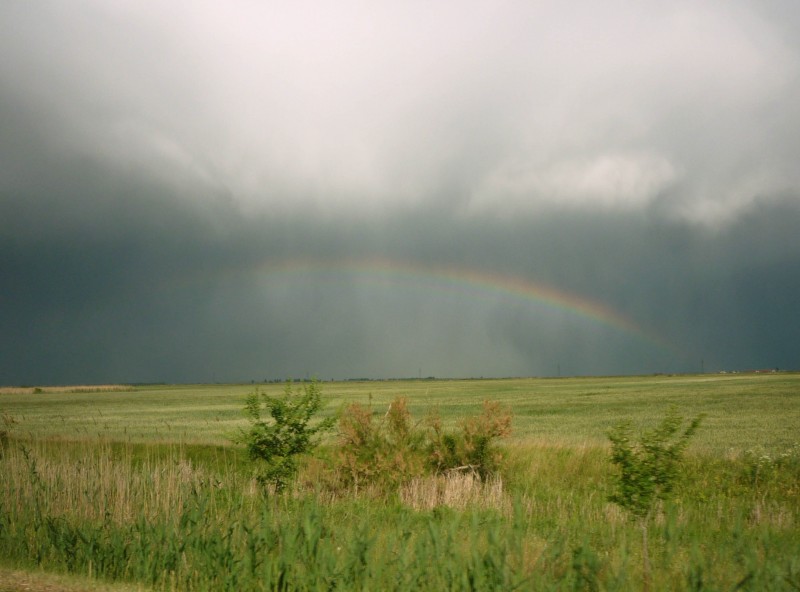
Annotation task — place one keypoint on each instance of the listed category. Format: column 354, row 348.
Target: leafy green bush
column 648, row 470
column 276, row 441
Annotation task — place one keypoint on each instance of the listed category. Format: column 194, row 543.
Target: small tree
column 276, row 441
column 649, row 469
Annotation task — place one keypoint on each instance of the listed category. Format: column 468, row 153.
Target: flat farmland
column 742, row 410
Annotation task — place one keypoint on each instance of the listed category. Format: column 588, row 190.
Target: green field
column 145, row 486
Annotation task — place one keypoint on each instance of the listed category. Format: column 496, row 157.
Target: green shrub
column 648, row 470
column 276, row 442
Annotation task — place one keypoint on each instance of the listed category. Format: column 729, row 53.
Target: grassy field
column 742, row 410
column 145, row 486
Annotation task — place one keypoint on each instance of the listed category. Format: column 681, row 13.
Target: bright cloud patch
column 605, row 181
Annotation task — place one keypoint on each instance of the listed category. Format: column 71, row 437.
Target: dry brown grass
column 78, row 388
column 97, row 485
column 454, row 490
column 773, row 514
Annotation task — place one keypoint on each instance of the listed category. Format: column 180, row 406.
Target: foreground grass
column 172, row 512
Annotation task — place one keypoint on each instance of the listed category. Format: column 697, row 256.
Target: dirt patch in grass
column 12, row 580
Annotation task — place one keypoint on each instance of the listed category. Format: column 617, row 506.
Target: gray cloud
column 156, row 163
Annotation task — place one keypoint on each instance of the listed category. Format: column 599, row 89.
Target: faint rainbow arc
column 459, row 277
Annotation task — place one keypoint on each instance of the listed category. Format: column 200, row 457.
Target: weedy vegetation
column 390, row 451
column 409, row 485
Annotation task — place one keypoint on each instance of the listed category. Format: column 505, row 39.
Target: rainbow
column 462, row 279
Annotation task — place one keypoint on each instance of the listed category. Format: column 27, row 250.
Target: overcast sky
column 214, row 191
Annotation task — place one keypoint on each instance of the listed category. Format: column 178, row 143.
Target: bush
column 648, row 469
column 390, row 450
column 277, row 441
column 385, row 452
column 473, row 448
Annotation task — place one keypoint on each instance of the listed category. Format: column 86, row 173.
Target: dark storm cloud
column 157, row 163
column 179, row 298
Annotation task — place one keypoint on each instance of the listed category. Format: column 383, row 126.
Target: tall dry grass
column 93, row 481
column 455, row 490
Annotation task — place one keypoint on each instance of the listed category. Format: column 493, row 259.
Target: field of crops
column 145, row 487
